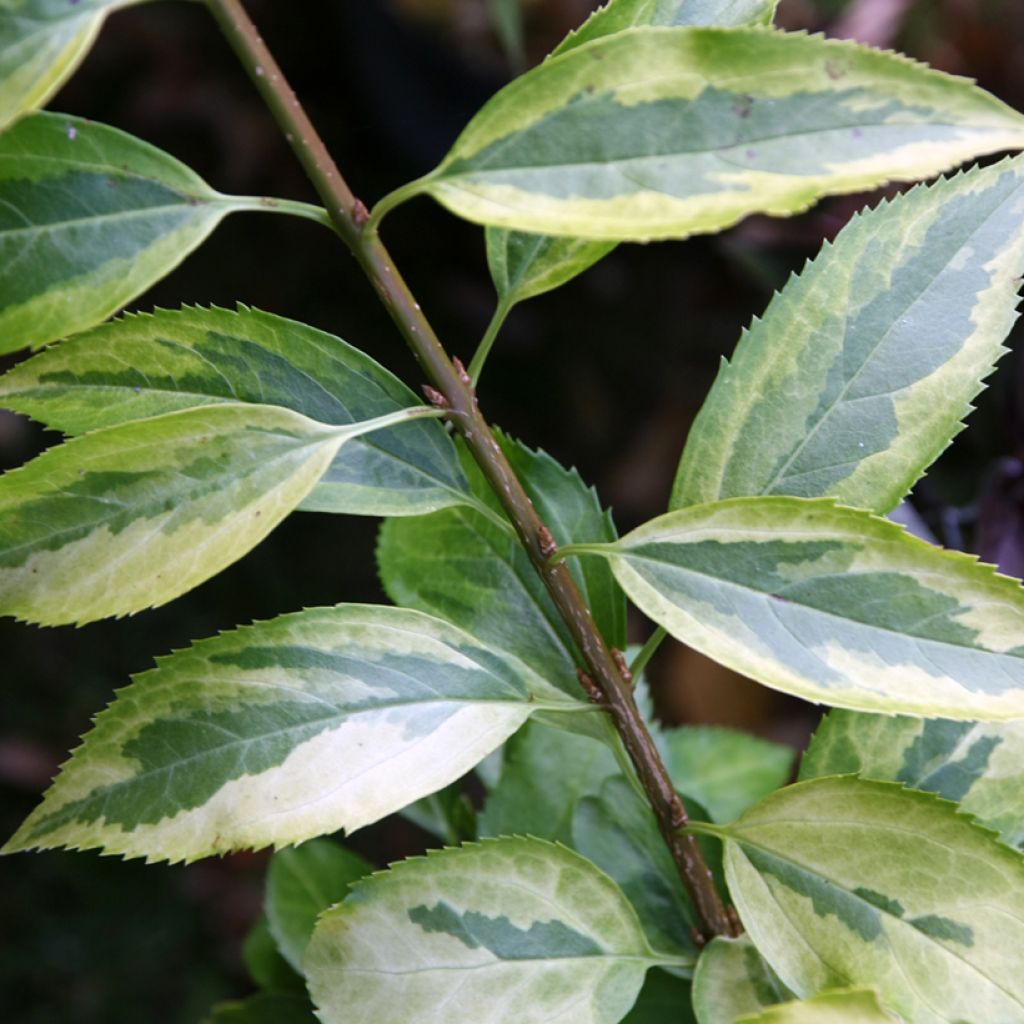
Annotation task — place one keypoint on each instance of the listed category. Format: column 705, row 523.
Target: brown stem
column 349, row 217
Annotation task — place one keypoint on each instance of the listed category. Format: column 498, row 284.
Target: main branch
column 455, row 391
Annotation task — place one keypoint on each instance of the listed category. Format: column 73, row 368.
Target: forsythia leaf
column 149, row 364
column 511, row 929
column 845, row 882
column 666, row 132
column 732, row 980
column 41, row 44
column 831, row 604
column 316, row 721
column 980, row 765
column 834, row 1006
column 864, row 366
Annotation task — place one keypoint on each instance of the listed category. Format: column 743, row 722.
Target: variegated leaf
column 316, row 721
column 511, row 929
column 525, row 265
column 90, row 218
column 617, row 830
column 132, row 516
column 864, row 366
column 723, row 769
column 831, row 604
column 149, row 364
column 665, row 132
column 980, row 765
column 834, row 1006
column 302, row 881
column 732, row 980
column 464, row 567
column 845, row 882
column 619, row 15
column 41, row 44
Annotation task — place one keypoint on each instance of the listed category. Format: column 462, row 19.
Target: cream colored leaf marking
column 831, row 604
column 856, row 404
column 134, row 515
column 272, row 734
column 825, row 910
column 893, row 119
column 509, row 930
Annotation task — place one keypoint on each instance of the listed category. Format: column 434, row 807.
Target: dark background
column 606, row 374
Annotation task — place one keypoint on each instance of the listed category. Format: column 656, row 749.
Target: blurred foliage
column 606, row 373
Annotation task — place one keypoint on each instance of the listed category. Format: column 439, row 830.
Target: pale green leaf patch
column 302, row 881
column 835, row 1006
column 666, row 132
column 732, row 980
column 843, row 882
column 864, row 366
column 41, row 44
column 831, row 604
column 321, row 720
column 149, row 364
column 979, row 765
column 90, row 217
column 511, row 929
column 619, row 15
column 132, row 516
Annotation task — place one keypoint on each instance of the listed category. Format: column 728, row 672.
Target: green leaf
column 546, row 771
column 512, row 929
column 665, row 132
column 132, row 516
column 979, row 765
column 264, row 962
column 312, row 722
column 723, row 769
column 620, row 15
column 524, row 265
column 732, row 980
column 461, row 566
column 149, row 364
column 42, row 42
column 301, row 882
column 89, row 218
column 264, row 1008
column 864, row 366
column 836, row 1006
column 664, row 999
column 845, row 882
column 618, row 832
column 831, row 604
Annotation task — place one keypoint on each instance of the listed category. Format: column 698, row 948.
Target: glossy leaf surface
column 844, row 882
column 831, row 604
column 302, row 881
column 723, row 769
column 512, row 929
column 41, row 44
column 312, row 722
column 150, row 364
column 618, row 832
column 864, row 366
column 666, row 132
column 132, row 516
column 545, row 773
column 462, row 567
column 90, row 217
column 979, row 765
column 732, row 980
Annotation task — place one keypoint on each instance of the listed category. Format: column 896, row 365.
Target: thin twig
column 350, row 218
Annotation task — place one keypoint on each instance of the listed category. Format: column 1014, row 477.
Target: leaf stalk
column 353, row 222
